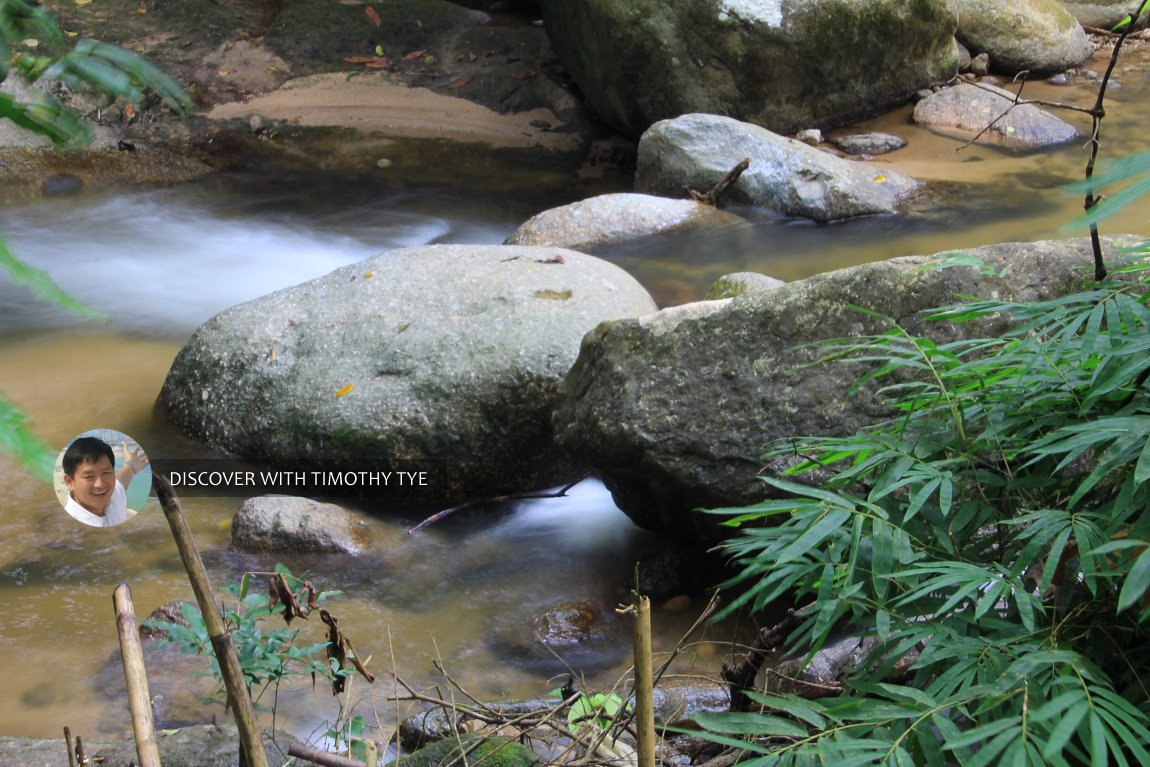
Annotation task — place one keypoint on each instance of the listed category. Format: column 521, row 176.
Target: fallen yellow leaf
column 880, row 179
column 345, row 390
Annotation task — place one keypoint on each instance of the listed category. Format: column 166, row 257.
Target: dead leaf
column 415, row 55
column 371, row 14
column 523, row 75
column 459, row 83
column 552, row 260
column 553, row 295
column 129, row 110
column 345, row 390
column 880, row 179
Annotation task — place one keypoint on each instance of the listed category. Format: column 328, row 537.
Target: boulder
column 613, row 218
column 442, row 357
column 784, row 66
column 966, row 111
column 1039, row 36
column 787, row 176
column 674, row 410
column 869, row 143
column 571, row 635
column 1099, row 13
column 286, row 523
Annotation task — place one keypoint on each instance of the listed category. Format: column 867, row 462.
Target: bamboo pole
column 644, row 683
column 136, row 678
column 371, row 749
column 239, row 700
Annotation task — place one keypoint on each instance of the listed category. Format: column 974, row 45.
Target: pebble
column 383, row 162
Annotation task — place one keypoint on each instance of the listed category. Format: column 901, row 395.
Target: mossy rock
column 488, row 751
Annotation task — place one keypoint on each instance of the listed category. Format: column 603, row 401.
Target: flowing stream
column 157, row 263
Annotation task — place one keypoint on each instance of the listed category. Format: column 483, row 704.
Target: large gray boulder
column 787, row 176
column 785, row 66
column 442, row 357
column 614, row 218
column 1039, row 36
column 988, row 115
column 674, row 410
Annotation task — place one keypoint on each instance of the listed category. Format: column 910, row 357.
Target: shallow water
column 158, row 263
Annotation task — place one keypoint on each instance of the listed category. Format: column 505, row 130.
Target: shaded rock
column 828, row 667
column 980, row 65
column 740, row 284
column 446, row 357
column 286, row 523
column 965, row 110
column 673, row 409
column 569, row 623
column 205, row 745
column 696, row 151
column 612, row 218
column 1039, row 36
column 785, row 66
column 869, row 143
column 1098, row 13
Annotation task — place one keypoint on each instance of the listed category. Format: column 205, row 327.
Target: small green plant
column 266, row 655
column 597, row 709
column 347, row 736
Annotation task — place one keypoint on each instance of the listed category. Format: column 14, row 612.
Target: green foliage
column 266, row 655
column 33, row 45
column 348, row 736
column 996, row 526
column 472, row 749
column 18, row 441
column 598, row 709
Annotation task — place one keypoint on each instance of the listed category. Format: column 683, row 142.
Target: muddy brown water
column 159, row 263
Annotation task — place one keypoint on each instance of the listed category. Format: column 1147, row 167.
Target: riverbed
column 157, row 263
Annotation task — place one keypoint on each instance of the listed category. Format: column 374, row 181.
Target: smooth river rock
column 787, row 176
column 1039, row 36
column 612, row 218
column 674, row 410
column 966, row 111
column 785, row 66
column 446, row 357
column 270, row 523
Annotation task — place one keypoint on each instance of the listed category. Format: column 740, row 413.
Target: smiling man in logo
column 97, row 493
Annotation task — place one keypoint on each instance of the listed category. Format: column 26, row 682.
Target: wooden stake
column 371, row 752
column 644, row 683
column 81, row 759
column 239, row 699
column 136, row 678
column 71, row 753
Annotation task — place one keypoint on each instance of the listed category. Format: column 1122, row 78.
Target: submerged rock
column 674, row 410
column 787, row 176
column 967, row 111
column 869, row 143
column 1038, row 36
column 442, row 357
column 613, row 218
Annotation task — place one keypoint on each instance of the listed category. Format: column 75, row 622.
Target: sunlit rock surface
column 444, row 357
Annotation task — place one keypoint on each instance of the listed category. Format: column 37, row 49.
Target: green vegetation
column 472, row 749
column 266, row 655
column 992, row 535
